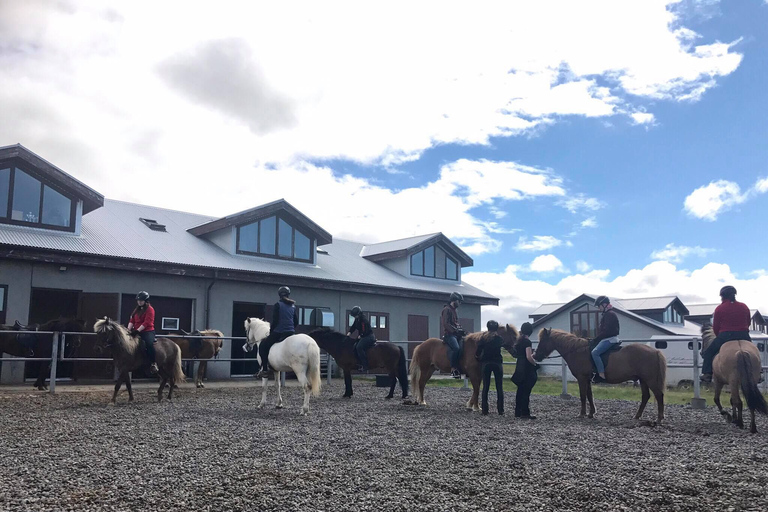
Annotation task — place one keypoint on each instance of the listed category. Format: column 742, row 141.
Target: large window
column 585, row 321
column 671, row 316
column 27, row 201
column 434, row 262
column 3, row 301
column 274, row 237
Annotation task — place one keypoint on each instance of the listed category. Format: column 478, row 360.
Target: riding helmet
column 492, row 325
column 142, row 296
column 283, row 291
column 356, row 311
column 728, row 291
column 602, row 300
column 456, row 296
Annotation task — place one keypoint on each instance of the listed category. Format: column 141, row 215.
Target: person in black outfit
column 489, row 354
column 285, row 318
column 525, row 373
column 361, row 330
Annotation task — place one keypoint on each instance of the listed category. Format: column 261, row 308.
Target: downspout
column 208, row 297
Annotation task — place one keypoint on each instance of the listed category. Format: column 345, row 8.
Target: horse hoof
column 279, row 406
column 111, row 404
column 388, row 397
column 346, row 396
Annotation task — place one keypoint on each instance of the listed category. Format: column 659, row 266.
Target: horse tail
column 416, row 372
column 755, row 399
column 661, row 378
column 402, row 372
column 313, row 368
column 178, row 374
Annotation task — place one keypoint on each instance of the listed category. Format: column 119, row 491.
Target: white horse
column 298, row 353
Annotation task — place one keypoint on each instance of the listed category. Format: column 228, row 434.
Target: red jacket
column 145, row 318
column 731, row 316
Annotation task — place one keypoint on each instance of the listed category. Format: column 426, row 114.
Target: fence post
column 466, row 383
column 54, row 360
column 696, row 402
column 564, row 369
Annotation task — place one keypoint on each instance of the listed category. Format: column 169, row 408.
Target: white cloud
column 581, row 202
column 643, row 118
column 709, row 201
column 539, row 243
column 677, row 253
column 589, row 223
column 583, row 266
column 519, row 296
column 546, row 263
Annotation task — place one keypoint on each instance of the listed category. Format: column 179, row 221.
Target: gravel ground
column 213, row 450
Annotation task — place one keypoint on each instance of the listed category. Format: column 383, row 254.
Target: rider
column 361, row 330
column 731, row 322
column 452, row 331
column 525, row 375
column 606, row 336
column 143, row 322
column 489, row 354
column 285, row 318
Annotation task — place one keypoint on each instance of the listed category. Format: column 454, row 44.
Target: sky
column 602, row 147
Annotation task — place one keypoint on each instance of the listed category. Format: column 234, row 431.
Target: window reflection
column 302, row 246
column 56, row 208
column 267, row 236
column 26, row 198
column 285, row 239
column 5, row 183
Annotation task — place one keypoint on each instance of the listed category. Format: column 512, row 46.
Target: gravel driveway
column 212, row 450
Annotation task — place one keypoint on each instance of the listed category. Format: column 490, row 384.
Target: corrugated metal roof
column 646, row 303
column 116, row 231
column 701, row 309
column 546, row 309
column 395, row 245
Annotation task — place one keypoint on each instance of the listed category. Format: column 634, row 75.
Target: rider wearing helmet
column 731, row 322
column 143, row 322
column 525, row 375
column 361, row 330
column 607, row 335
column 452, row 331
column 285, row 318
column 488, row 352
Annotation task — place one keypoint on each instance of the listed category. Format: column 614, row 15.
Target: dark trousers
column 523, row 396
column 453, row 349
column 498, row 373
column 714, row 348
column 264, row 346
column 361, row 349
column 148, row 337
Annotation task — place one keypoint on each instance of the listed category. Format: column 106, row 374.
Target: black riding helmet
column 142, row 296
column 283, row 291
column 602, row 300
column 728, row 291
column 492, row 325
column 456, row 296
column 356, row 311
column 526, row 328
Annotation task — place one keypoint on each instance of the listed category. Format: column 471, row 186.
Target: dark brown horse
column 387, row 356
column 129, row 354
column 202, row 349
column 33, row 344
column 738, row 365
column 633, row 362
column 433, row 355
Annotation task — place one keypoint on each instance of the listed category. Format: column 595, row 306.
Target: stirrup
column 153, row 369
column 597, row 379
column 705, row 377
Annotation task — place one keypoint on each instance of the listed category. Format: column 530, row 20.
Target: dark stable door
column 241, row 311
column 418, row 330
column 93, row 306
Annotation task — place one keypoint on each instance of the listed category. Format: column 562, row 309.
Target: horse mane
column 211, row 332
column 123, row 338
column 707, row 336
column 256, row 329
column 570, row 342
column 64, row 324
column 328, row 335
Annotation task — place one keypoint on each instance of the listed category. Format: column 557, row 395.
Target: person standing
column 452, row 332
column 731, row 322
column 143, row 322
column 488, row 352
column 285, row 318
column 525, row 375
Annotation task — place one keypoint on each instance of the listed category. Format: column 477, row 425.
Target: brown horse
column 129, row 354
column 388, row 356
column 202, row 349
column 432, row 355
column 32, row 344
column 738, row 365
column 633, row 362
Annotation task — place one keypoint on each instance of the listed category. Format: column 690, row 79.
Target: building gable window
column 585, row 321
column 25, row 200
column 672, row 316
column 274, row 237
column 434, row 262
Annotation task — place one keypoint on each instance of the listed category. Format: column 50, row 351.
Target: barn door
column 418, row 330
column 92, row 307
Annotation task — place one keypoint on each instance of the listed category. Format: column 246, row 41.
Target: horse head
column 110, row 333
column 256, row 330
column 545, row 346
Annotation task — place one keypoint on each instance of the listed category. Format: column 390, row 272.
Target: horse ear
column 248, row 319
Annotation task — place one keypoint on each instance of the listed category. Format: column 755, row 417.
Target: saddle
column 195, row 344
column 28, row 341
column 21, row 327
column 615, row 347
column 354, row 349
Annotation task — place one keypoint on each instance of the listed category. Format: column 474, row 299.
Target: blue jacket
column 285, row 316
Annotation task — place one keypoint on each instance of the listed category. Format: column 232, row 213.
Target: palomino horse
column 298, row 353
column 433, row 355
column 633, row 362
column 738, row 365
column 382, row 355
column 38, row 345
column 200, row 348
column 129, row 354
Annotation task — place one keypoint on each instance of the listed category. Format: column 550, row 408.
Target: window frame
column 276, row 256
column 592, row 314
column 448, row 257
column 4, row 306
column 13, row 167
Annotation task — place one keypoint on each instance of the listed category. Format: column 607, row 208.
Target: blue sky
column 614, row 147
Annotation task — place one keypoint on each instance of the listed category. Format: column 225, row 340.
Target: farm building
column 66, row 250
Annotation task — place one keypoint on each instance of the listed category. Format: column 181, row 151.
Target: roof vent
column 152, row 224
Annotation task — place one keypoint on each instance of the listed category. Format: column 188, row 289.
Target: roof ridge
column 405, row 238
column 157, row 207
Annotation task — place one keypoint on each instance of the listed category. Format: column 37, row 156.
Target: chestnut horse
column 633, row 362
column 41, row 344
column 200, row 348
column 432, row 355
column 382, row 355
column 738, row 365
column 129, row 354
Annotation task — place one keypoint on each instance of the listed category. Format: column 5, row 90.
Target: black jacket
column 609, row 326
column 489, row 349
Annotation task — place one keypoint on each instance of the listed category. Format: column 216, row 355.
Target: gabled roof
column 281, row 206
column 701, row 309
column 545, row 309
column 405, row 246
column 29, row 161
column 652, row 303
